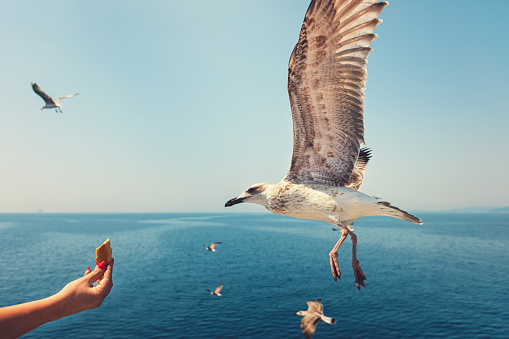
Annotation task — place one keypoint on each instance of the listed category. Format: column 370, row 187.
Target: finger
column 108, row 274
column 106, row 282
column 95, row 275
column 109, row 269
column 102, row 265
column 88, row 271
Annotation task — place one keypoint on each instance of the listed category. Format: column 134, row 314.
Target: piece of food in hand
column 103, row 252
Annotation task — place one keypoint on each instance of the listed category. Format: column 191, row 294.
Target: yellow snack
column 103, row 252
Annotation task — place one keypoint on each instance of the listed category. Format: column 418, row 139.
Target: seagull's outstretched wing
column 326, row 81
column 308, row 325
column 42, row 94
column 315, row 306
column 213, row 245
column 357, row 176
column 219, row 288
column 67, row 96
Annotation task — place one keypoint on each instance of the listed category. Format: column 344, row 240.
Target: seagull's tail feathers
column 393, row 211
column 328, row 320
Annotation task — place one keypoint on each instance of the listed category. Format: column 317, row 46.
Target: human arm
column 76, row 296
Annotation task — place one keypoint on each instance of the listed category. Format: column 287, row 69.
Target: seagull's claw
column 336, row 273
column 358, row 274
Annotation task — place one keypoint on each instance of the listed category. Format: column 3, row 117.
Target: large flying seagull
column 326, row 82
column 50, row 102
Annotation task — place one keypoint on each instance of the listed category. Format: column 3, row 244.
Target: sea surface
column 448, row 278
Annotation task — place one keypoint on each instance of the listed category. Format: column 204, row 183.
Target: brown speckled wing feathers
column 308, row 326
column 47, row 99
column 326, row 81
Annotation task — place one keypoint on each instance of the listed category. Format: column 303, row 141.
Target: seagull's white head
column 301, row 313
column 256, row 194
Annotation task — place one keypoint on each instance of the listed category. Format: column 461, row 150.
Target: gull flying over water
column 212, row 246
column 312, row 316
column 217, row 291
column 326, row 82
column 50, row 102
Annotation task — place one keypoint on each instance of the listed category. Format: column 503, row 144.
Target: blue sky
column 183, row 104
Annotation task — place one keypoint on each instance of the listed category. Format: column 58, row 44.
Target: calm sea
column 447, row 278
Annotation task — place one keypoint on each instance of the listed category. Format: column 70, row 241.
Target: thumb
column 95, row 275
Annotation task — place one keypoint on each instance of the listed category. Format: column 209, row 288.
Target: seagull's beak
column 234, row 201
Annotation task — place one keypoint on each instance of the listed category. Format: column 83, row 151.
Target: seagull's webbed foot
column 358, row 274
column 334, row 266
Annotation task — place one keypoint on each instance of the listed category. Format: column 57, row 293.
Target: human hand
column 81, row 294
column 78, row 295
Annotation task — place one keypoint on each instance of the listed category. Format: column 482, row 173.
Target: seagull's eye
column 252, row 190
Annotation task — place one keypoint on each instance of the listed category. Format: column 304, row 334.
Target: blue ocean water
column 447, row 278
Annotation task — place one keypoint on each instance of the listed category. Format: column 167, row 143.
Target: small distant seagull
column 50, row 103
column 326, row 81
column 212, row 246
column 217, row 290
column 335, row 229
column 312, row 316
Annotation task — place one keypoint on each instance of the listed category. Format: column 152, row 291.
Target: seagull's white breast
column 300, row 201
column 317, row 202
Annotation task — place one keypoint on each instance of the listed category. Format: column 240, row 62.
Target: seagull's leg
column 357, row 271
column 333, row 254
